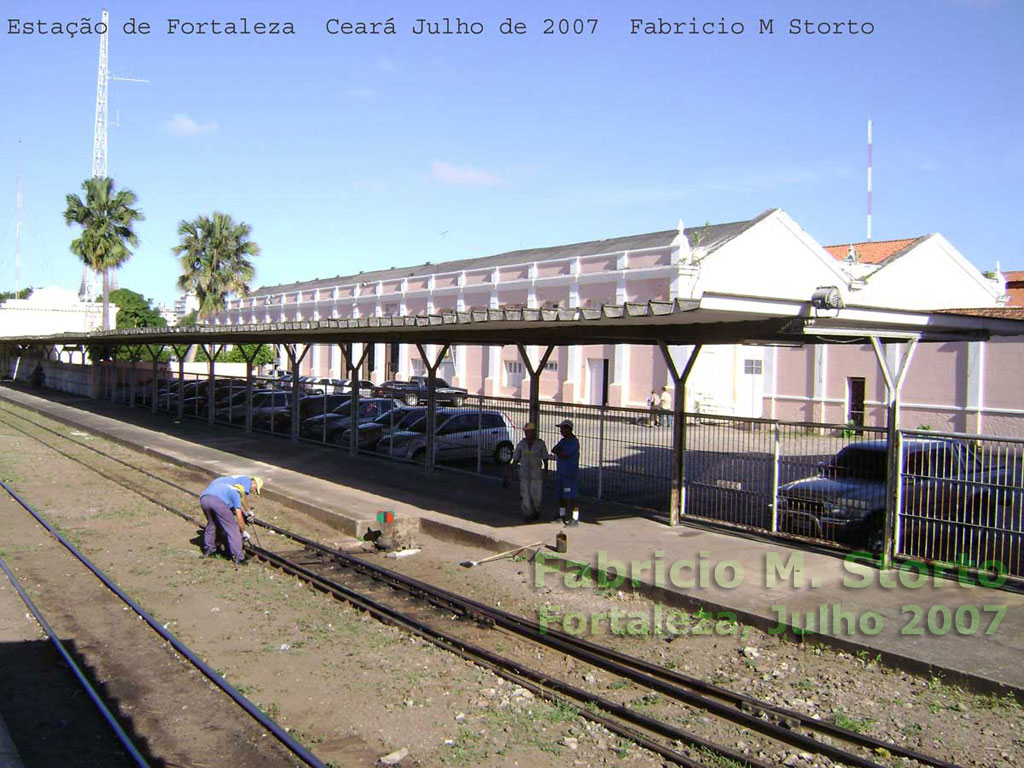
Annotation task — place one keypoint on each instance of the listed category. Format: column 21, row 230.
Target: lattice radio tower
column 99, row 138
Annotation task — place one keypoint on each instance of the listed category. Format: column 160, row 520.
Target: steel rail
column 633, row 668
column 639, row 671
column 104, row 710
column 534, row 679
column 286, row 740
column 502, row 665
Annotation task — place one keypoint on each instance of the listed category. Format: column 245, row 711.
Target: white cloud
column 183, row 125
column 465, row 176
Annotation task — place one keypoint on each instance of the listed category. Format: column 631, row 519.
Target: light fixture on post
column 827, row 297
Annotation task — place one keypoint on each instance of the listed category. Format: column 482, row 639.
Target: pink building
column 768, row 256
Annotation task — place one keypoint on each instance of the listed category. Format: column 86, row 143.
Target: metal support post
column 775, row 476
column 212, row 353
column 134, row 353
column 354, row 364
column 479, row 431
column 601, row 414
column 155, row 383
column 296, row 361
column 432, row 367
column 181, row 353
column 535, row 374
column 894, row 481
column 249, row 359
column 677, row 499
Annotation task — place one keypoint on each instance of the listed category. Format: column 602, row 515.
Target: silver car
column 459, row 436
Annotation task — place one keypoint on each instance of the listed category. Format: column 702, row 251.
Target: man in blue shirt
column 224, row 506
column 251, row 485
column 567, row 454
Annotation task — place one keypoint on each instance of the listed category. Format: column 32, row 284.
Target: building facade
column 769, row 255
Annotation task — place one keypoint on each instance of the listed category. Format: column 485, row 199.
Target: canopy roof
column 713, row 319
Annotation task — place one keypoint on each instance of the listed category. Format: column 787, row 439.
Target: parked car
column 946, row 483
column 330, row 426
column 307, row 384
column 309, row 406
column 371, row 432
column 415, row 391
column 265, row 408
column 459, row 435
column 344, row 386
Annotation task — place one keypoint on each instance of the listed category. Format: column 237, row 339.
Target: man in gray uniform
column 531, row 455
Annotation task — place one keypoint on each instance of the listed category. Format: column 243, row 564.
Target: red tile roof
column 1014, row 277
column 871, row 252
column 1005, row 313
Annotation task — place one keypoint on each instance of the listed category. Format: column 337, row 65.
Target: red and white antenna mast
column 17, row 242
column 869, row 178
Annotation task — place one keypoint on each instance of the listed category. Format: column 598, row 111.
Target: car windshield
column 859, row 463
column 418, row 426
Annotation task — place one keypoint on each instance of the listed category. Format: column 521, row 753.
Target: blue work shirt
column 567, row 455
column 225, row 492
column 243, row 480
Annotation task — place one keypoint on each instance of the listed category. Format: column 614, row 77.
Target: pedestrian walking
column 531, row 456
column 567, row 455
column 225, row 505
column 654, row 403
column 665, row 403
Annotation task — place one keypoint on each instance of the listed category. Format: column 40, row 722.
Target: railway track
column 485, row 632
column 135, row 752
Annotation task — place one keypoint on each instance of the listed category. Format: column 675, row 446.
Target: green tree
column 24, row 293
column 189, row 318
column 135, row 310
column 106, row 219
column 237, row 354
column 214, row 255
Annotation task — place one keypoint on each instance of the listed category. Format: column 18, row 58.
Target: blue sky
column 347, row 153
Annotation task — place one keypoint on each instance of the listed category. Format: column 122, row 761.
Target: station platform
column 955, row 628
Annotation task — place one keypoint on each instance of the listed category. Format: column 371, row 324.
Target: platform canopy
column 715, row 318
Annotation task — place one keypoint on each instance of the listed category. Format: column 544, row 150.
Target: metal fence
column 962, row 500
column 961, row 496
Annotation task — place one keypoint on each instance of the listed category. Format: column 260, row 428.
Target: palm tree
column 106, row 219
column 214, row 260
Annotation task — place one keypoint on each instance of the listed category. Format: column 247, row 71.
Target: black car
column 331, row 426
column 371, row 432
column 416, row 391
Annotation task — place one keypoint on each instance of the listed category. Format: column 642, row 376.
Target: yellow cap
column 257, row 485
column 531, row 427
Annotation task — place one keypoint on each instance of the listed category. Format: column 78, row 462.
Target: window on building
column 419, row 368
column 855, row 400
column 552, row 367
column 513, row 373
column 753, row 367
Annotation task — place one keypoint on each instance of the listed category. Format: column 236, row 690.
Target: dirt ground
column 353, row 690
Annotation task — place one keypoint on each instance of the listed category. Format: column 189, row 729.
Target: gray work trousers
column 530, row 492
column 219, row 515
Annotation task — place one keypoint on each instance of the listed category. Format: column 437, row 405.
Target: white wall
column 932, row 275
